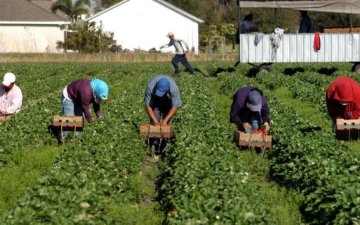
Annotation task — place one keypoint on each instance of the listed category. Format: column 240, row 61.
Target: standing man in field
column 180, row 55
column 250, row 110
column 10, row 95
column 343, row 99
column 79, row 95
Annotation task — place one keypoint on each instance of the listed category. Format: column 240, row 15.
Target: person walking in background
column 10, row 95
column 79, row 95
column 305, row 23
column 250, row 110
column 343, row 99
column 180, row 54
column 247, row 25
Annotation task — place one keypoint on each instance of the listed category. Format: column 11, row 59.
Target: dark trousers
column 181, row 58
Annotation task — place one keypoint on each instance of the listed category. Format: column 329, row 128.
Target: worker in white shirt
column 10, row 95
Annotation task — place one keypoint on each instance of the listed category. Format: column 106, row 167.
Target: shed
column 25, row 27
column 300, row 47
column 144, row 24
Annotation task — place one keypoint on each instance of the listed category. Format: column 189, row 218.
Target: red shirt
column 347, row 90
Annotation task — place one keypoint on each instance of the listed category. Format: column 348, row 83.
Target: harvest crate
column 253, row 140
column 347, row 129
column 4, row 117
column 156, row 131
column 68, row 123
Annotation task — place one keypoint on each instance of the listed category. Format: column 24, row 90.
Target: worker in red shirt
column 343, row 99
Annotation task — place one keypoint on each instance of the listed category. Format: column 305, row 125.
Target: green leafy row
column 308, row 159
column 205, row 181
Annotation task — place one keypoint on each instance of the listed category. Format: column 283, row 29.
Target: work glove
column 100, row 115
column 247, row 126
column 267, row 126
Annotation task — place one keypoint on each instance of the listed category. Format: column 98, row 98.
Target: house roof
column 344, row 6
column 46, row 4
column 26, row 12
column 166, row 4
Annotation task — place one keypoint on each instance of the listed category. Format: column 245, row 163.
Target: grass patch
column 311, row 114
column 136, row 214
column 304, row 109
column 23, row 171
column 140, row 207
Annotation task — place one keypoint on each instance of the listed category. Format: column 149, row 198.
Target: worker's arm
column 235, row 112
column 152, row 116
column 168, row 116
column 355, row 114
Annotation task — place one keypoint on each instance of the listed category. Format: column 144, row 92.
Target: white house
column 25, row 27
column 144, row 24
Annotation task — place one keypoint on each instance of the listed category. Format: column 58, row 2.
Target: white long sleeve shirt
column 10, row 102
column 178, row 44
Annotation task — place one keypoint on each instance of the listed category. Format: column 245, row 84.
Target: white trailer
column 299, row 47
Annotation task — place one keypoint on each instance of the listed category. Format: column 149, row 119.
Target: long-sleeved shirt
column 347, row 90
column 179, row 48
column 80, row 92
column 10, row 102
column 240, row 114
column 173, row 94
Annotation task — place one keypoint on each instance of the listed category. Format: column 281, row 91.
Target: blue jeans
column 70, row 108
column 181, row 58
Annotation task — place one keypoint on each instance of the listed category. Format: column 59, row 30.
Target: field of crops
column 107, row 177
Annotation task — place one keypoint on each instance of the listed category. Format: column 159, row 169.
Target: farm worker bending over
column 78, row 95
column 180, row 55
column 162, row 99
column 11, row 95
column 343, row 99
column 250, row 109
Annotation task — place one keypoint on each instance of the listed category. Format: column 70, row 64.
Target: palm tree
column 70, row 8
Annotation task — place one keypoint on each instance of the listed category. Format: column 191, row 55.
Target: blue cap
column 254, row 101
column 100, row 88
column 162, row 86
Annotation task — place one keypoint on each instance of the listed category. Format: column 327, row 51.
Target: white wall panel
column 300, row 48
column 143, row 24
column 30, row 38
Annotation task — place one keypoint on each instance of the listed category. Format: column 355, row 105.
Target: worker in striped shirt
column 180, row 55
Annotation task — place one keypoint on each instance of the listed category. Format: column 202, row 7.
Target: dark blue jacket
column 240, row 113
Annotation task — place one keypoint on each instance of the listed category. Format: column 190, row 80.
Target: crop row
column 309, row 160
column 92, row 174
column 205, row 181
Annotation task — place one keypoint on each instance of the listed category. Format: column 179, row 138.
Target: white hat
column 9, row 78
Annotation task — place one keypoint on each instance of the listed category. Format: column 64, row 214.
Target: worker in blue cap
column 162, row 99
column 79, row 95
